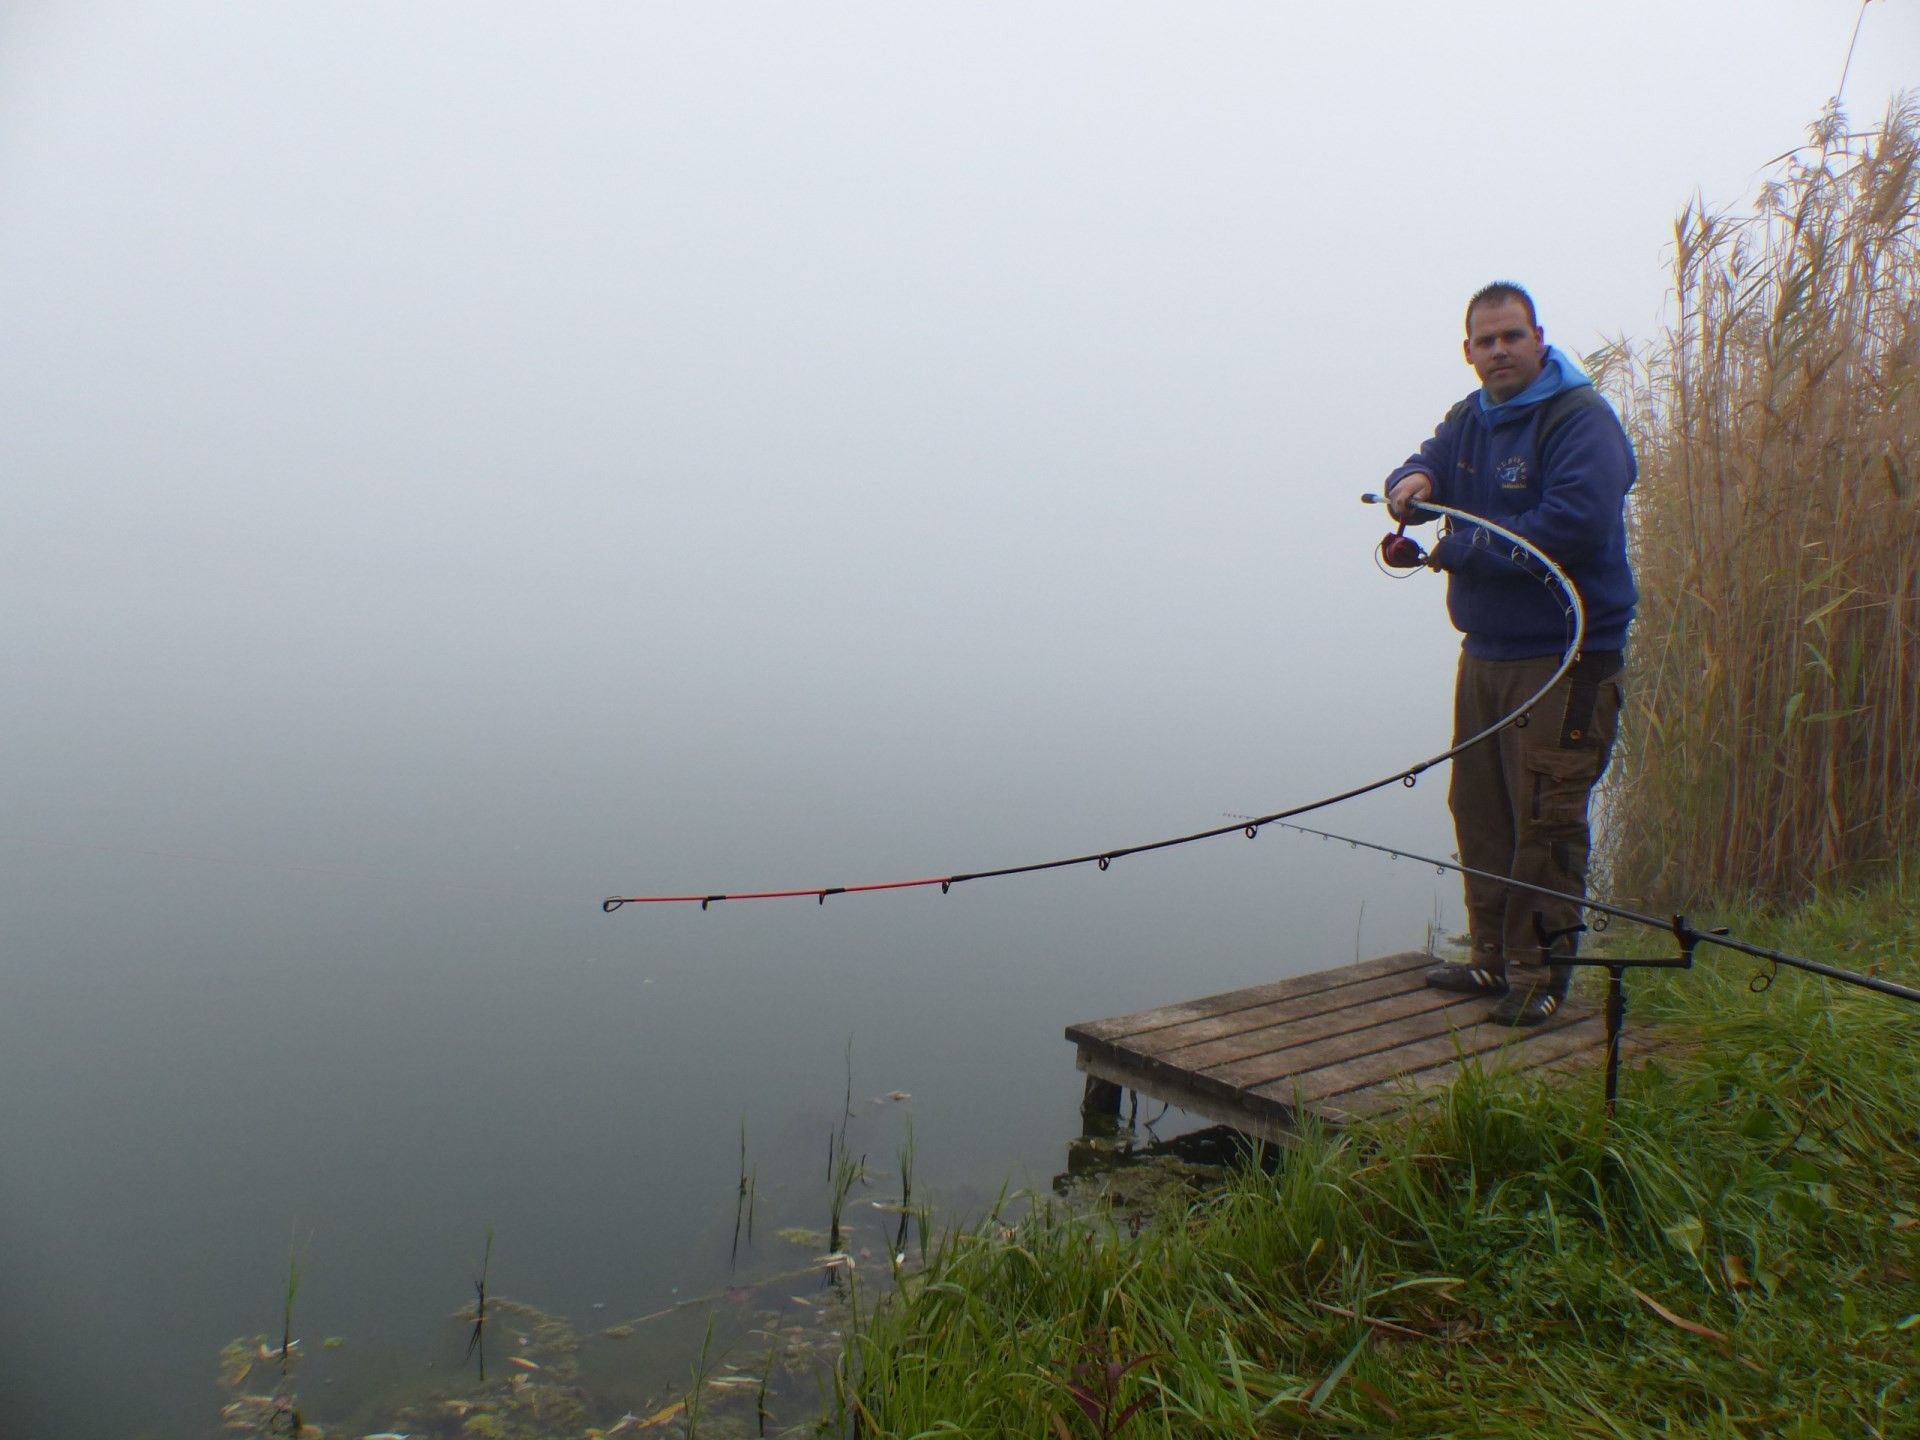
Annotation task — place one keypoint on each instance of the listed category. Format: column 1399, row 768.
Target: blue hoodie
column 1568, row 497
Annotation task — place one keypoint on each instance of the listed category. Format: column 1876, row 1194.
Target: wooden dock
column 1339, row 1044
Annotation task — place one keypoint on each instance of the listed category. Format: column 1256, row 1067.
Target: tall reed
column 906, row 1194
column 697, row 1390
column 287, row 1342
column 1770, row 744
column 843, row 1173
column 744, row 1200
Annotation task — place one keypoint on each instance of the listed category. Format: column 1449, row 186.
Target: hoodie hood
column 1558, row 371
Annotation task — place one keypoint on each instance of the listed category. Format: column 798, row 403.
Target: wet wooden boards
column 1339, row 1044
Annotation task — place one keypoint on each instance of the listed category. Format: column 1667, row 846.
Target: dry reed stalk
column 1771, row 743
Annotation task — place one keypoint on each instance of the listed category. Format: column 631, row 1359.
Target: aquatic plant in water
column 476, row 1342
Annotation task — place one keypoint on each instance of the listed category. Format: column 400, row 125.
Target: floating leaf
column 236, row 1361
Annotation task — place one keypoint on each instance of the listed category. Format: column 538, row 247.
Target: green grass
column 1737, row 1253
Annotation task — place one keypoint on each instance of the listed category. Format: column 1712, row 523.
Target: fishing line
column 1676, row 925
column 1522, row 550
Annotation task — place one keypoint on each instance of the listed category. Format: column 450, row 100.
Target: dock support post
column 1101, row 1100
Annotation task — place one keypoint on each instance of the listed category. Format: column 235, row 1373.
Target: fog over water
column 461, row 464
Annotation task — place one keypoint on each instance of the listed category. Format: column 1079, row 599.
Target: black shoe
column 1534, row 1003
column 1467, row 979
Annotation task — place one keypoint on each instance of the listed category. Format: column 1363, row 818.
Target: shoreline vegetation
column 1735, row 1253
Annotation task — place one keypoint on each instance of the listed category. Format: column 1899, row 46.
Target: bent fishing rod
column 1399, row 550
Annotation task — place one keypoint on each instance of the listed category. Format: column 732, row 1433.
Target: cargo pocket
column 1592, row 711
column 1559, row 782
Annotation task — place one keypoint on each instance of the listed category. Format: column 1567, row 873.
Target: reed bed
column 1770, row 744
column 1736, row 1253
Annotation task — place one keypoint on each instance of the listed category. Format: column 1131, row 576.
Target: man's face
column 1504, row 349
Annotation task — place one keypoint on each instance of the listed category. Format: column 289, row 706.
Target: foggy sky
column 661, row 409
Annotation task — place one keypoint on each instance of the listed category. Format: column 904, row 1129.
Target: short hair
column 1499, row 292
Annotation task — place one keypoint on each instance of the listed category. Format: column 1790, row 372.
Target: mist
column 462, row 465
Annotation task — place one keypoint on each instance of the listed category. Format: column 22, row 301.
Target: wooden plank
column 1343, row 1044
column 1404, row 1020
column 1193, row 1033
column 1581, row 1053
column 1412, row 1054
column 1440, row 1052
column 1163, row 1082
column 1142, row 1021
column 1271, row 1040
column 1577, row 1046
column 1266, row 1121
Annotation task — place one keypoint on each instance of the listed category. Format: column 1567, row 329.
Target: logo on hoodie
column 1512, row 474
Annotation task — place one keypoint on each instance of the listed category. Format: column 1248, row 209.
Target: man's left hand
column 1407, row 492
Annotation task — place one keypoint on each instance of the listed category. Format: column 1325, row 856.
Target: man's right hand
column 1407, row 492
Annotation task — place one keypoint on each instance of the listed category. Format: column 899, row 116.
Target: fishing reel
column 1400, row 551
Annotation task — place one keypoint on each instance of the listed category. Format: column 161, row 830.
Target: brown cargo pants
column 1519, row 798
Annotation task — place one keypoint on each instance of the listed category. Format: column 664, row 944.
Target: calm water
column 210, row 1055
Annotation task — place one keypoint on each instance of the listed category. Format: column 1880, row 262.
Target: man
column 1538, row 451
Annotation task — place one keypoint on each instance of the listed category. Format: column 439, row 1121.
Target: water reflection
column 1119, row 1155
